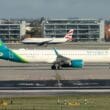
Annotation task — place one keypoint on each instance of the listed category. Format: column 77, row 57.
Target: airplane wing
column 61, row 60
column 45, row 42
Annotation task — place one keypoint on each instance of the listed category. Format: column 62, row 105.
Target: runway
column 67, row 45
column 10, row 72
column 27, row 93
column 18, row 71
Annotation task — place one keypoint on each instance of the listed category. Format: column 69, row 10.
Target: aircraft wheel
column 56, row 67
column 53, row 67
column 59, row 67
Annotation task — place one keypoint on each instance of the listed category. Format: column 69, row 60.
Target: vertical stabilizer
column 68, row 36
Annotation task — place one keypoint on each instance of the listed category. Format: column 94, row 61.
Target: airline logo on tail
column 68, row 36
column 8, row 54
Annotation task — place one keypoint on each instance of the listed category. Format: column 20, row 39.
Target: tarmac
column 17, row 79
column 18, row 71
column 67, row 45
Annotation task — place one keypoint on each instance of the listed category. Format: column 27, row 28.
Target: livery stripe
column 21, row 59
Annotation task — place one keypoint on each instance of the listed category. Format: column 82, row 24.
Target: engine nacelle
column 77, row 63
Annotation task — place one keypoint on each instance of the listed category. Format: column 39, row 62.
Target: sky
column 54, row 8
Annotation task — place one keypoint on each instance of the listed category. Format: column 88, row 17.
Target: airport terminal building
column 11, row 30
column 85, row 29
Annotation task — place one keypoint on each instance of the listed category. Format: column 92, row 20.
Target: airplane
column 58, row 58
column 42, row 41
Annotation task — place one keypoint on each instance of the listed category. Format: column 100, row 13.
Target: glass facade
column 11, row 31
column 85, row 29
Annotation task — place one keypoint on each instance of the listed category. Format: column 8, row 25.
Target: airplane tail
column 4, row 51
column 68, row 36
column 7, row 54
column 2, row 45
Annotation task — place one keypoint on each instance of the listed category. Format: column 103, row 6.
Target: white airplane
column 42, row 41
column 58, row 58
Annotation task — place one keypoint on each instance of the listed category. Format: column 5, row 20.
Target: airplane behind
column 57, row 58
column 42, row 41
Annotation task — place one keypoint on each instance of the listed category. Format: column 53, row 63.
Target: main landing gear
column 56, row 67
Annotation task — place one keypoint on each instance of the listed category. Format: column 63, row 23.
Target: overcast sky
column 54, row 8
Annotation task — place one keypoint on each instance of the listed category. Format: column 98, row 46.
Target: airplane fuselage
column 45, row 40
column 49, row 56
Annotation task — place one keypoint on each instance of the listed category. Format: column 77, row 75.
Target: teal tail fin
column 4, row 51
column 2, row 45
column 8, row 54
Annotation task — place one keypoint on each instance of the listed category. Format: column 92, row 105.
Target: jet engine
column 77, row 63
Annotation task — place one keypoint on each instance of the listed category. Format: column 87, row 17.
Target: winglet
column 56, row 52
column 2, row 44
